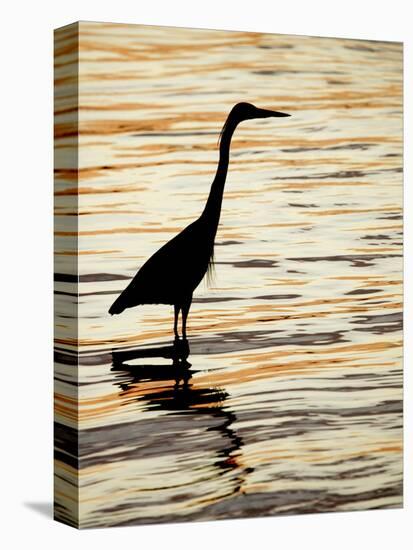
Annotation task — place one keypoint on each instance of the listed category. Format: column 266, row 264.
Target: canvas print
column 228, row 274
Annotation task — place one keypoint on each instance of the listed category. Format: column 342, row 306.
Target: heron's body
column 172, row 274
column 186, row 256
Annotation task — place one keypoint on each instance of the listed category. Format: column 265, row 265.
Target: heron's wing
column 168, row 273
column 178, row 249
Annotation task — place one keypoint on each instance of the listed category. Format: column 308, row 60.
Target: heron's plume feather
column 211, row 274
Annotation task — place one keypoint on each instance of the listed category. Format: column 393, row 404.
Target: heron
column 171, row 274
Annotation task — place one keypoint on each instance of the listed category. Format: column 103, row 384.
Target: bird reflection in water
column 148, row 385
column 178, row 353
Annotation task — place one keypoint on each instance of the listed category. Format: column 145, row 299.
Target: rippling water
column 293, row 400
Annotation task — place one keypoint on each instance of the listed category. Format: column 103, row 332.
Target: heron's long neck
column 212, row 208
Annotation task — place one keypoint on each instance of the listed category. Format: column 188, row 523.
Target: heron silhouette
column 172, row 274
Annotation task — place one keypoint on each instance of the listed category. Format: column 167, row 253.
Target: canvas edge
column 66, row 123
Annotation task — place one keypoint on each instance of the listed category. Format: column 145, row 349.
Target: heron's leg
column 185, row 311
column 176, row 312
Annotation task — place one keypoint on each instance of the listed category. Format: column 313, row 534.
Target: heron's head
column 247, row 111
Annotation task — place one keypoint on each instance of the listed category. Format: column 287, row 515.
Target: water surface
column 293, row 399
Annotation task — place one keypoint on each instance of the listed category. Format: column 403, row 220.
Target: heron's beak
column 265, row 113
